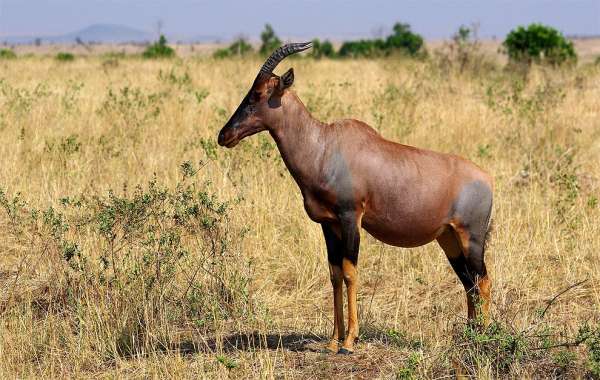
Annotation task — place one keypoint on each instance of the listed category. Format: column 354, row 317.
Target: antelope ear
column 287, row 79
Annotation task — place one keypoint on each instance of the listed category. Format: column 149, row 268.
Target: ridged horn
column 280, row 53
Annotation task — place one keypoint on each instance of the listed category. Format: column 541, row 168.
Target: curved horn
column 280, row 53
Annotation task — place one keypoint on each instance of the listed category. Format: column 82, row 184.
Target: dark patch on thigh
column 473, row 209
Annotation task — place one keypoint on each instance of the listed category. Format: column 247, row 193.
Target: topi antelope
column 351, row 177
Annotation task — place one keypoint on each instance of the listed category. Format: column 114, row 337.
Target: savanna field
column 133, row 246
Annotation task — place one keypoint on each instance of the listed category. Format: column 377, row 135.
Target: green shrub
column 239, row 47
column 402, row 40
column 591, row 337
column 64, row 57
column 408, row 370
column 7, row 54
column 159, row 49
column 269, row 39
column 130, row 106
column 131, row 265
column 322, row 49
column 222, row 53
column 363, row 48
column 539, row 43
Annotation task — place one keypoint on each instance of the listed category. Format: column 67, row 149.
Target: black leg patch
column 335, row 249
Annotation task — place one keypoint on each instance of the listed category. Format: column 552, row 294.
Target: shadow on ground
column 253, row 341
column 290, row 341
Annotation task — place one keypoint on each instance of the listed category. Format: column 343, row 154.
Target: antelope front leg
column 337, row 281
column 334, row 256
column 350, row 222
column 351, row 280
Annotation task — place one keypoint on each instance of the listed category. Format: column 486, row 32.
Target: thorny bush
column 130, row 268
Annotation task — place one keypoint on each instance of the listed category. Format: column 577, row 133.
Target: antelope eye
column 250, row 109
column 254, row 97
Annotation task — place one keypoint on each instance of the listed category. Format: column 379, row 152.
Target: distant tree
column 159, row 49
column 322, row 49
column 37, row 41
column 363, row 48
column 239, row 47
column 538, row 43
column 401, row 40
column 404, row 39
column 463, row 35
column 269, row 39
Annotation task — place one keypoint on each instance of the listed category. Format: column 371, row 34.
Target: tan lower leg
column 351, row 280
column 478, row 301
column 471, row 295
column 484, row 285
column 337, row 280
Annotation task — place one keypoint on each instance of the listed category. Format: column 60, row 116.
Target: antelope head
column 261, row 107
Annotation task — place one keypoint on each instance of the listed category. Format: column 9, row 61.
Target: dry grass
column 65, row 135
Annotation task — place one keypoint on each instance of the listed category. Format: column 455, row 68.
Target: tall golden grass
column 72, row 132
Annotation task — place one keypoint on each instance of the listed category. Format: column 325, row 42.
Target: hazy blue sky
column 300, row 18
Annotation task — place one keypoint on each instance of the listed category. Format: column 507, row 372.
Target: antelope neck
column 300, row 139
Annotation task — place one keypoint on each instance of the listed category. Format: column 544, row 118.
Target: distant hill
column 93, row 33
column 108, row 33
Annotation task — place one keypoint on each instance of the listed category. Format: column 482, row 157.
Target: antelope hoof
column 344, row 351
column 331, row 347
